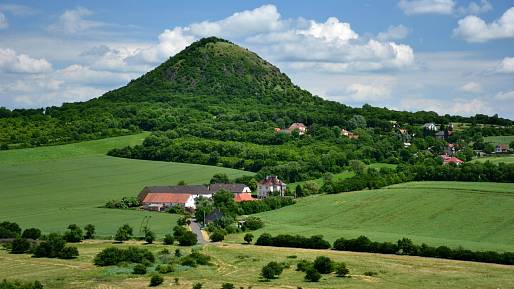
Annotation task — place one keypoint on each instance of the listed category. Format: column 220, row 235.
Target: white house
column 430, row 126
column 271, row 185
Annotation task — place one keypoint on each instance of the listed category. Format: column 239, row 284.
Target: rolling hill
column 472, row 215
column 52, row 187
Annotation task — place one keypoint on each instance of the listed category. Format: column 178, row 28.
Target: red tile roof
column 166, row 198
column 447, row 159
column 243, row 197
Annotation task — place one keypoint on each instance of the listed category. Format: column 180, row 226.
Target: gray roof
column 234, row 188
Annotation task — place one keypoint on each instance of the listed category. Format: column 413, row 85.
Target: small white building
column 271, row 185
column 430, row 126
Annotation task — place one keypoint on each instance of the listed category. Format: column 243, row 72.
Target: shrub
column 149, row 236
column 164, row 269
column 31, row 233
column 297, row 241
column 55, row 247
column 90, row 231
column 74, row 234
column 20, row 285
column 156, row 280
column 11, row 226
column 113, row 256
column 370, row 273
column 20, row 246
column 303, row 265
column 253, row 223
column 184, row 220
column 271, row 270
column 188, row 261
column 168, row 239
column 124, row 233
column 312, row 275
column 341, row 270
column 248, row 238
column 187, row 239
column 323, row 265
column 217, row 236
column 197, row 286
column 178, row 231
column 227, row 286
column 69, row 253
column 139, row 269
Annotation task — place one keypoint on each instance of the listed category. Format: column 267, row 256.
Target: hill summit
column 210, row 66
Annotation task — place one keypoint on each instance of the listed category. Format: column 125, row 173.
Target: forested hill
column 211, row 88
column 215, row 67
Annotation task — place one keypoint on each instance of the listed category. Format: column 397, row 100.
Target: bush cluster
column 113, row 256
column 54, row 246
column 184, row 237
column 296, row 241
column 407, row 247
column 268, row 204
column 123, row 203
column 20, row 285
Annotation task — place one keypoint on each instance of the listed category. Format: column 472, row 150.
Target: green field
column 505, row 139
column 477, row 216
column 343, row 175
column 241, row 264
column 51, row 187
column 496, row 159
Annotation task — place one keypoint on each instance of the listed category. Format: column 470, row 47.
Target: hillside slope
column 472, row 215
column 52, row 187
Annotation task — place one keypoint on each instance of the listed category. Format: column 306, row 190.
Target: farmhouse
column 447, row 160
column 501, row 148
column 430, row 126
column 271, row 185
column 302, row 129
column 349, row 134
column 160, row 198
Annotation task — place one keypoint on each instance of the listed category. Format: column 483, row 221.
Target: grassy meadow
column 241, row 264
column 476, row 216
column 504, row 139
column 51, row 187
column 496, row 159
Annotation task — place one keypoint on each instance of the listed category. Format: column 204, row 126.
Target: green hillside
column 51, row 187
column 504, row 139
column 473, row 215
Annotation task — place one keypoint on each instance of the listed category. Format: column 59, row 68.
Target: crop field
column 241, row 264
column 476, row 216
column 51, row 187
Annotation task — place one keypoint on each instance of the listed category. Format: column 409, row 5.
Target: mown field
column 241, row 264
column 496, row 159
column 476, row 216
column 51, row 187
column 505, row 139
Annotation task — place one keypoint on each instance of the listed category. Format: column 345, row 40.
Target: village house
column 501, row 148
column 430, row 126
column 448, row 160
column 271, row 185
column 161, row 198
column 302, row 129
column 349, row 134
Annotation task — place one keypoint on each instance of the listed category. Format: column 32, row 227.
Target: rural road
column 195, row 227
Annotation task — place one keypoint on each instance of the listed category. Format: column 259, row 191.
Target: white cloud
column 74, row 21
column 475, row 8
column 412, row 7
column 10, row 61
column 471, row 87
column 260, row 20
column 506, row 65
column 361, row 93
column 330, row 31
column 394, row 33
column 474, row 29
column 3, row 21
column 506, row 96
column 17, row 9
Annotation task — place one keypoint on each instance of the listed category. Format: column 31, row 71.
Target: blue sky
column 449, row 56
